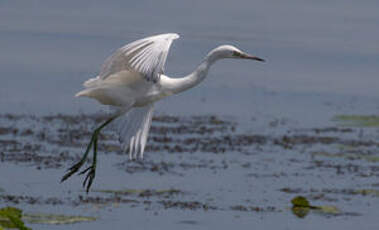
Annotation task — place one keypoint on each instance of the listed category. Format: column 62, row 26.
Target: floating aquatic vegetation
column 11, row 217
column 301, row 208
column 349, row 156
column 41, row 218
column 357, row 120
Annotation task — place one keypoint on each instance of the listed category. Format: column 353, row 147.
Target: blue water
column 322, row 59
column 48, row 48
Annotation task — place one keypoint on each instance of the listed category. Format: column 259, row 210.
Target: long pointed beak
column 248, row 56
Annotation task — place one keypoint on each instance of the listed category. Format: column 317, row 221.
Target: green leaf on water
column 10, row 217
column 41, row 218
column 121, row 191
column 300, row 201
column 301, row 207
column 357, row 120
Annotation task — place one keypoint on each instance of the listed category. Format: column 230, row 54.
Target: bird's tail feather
column 89, row 85
column 92, row 82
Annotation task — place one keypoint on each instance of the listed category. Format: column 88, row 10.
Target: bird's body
column 123, row 89
column 132, row 80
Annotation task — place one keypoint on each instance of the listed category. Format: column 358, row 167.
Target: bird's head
column 228, row 51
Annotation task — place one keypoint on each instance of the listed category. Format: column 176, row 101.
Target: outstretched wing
column 133, row 129
column 146, row 56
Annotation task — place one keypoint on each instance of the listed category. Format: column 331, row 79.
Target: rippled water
column 322, row 60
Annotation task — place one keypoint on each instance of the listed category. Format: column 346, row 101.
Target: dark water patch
column 146, row 193
column 80, row 200
column 75, row 119
column 31, row 200
column 37, row 160
column 345, row 168
column 289, row 142
column 332, row 130
column 190, row 205
column 142, row 198
column 8, row 130
column 188, row 129
column 170, row 134
column 170, row 167
column 211, row 144
column 161, row 167
column 179, row 135
column 267, row 175
column 98, row 200
column 9, row 145
column 244, row 208
column 15, row 117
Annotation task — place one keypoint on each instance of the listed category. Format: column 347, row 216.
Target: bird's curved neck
column 177, row 85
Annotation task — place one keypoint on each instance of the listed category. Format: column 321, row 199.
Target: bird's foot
column 91, row 172
column 72, row 170
column 131, row 156
column 135, row 157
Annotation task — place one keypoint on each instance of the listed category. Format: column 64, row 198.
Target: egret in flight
column 132, row 80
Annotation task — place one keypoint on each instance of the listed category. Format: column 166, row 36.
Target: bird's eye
column 236, row 54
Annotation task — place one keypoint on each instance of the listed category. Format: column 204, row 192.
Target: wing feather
column 146, row 56
column 133, row 128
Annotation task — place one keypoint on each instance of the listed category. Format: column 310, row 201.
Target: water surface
column 322, row 60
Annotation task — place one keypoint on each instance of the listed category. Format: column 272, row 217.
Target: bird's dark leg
column 73, row 169
column 92, row 169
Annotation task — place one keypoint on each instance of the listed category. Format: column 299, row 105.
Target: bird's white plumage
column 133, row 128
column 146, row 56
column 132, row 80
column 127, row 81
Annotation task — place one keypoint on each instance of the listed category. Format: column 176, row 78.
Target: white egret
column 132, row 80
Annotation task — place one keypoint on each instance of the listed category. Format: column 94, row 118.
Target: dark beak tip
column 260, row 59
column 254, row 58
